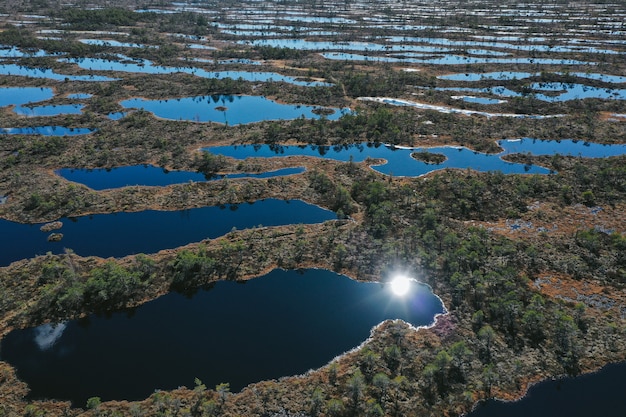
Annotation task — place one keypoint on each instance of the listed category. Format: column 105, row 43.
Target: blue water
column 17, row 96
column 562, row 147
column 302, row 44
column 454, row 60
column 511, row 75
column 51, row 110
column 526, row 47
column 239, row 109
column 112, row 43
column 565, row 92
column 46, row 131
column 498, row 75
column 14, row 52
column 117, row 115
column 281, row 324
column 399, row 161
column 18, row 70
column 147, row 67
column 79, row 96
column 480, row 100
column 576, row 92
column 598, row 394
column 121, row 234
column 148, row 175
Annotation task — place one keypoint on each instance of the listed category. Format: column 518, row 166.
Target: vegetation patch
column 429, row 157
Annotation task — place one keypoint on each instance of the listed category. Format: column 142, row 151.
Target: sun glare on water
column 400, row 285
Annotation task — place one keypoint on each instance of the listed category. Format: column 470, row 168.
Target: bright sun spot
column 400, row 285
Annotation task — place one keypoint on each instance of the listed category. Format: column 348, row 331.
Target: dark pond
column 399, row 160
column 148, row 175
column 46, row 131
column 598, row 394
column 232, row 110
column 281, row 324
column 121, row 234
column 401, row 163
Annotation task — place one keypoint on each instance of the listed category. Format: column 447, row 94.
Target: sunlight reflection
column 400, row 285
column 46, row 335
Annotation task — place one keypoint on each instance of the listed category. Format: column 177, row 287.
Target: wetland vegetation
column 477, row 148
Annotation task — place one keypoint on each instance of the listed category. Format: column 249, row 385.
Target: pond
column 46, row 131
column 512, row 75
column 399, row 160
column 556, row 92
column 146, row 67
column 121, row 234
column 148, row 175
column 281, row 324
column 597, row 394
column 478, row 100
column 401, row 163
column 562, row 147
column 113, row 43
column 17, row 96
column 20, row 71
column 232, row 110
column 302, row 44
column 453, row 59
column 51, row 110
column 448, row 109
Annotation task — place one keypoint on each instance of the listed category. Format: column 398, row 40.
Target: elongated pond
column 121, row 234
column 403, row 162
column 284, row 323
column 148, row 175
column 232, row 110
column 46, row 131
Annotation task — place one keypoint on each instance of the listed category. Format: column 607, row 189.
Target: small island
column 429, row 157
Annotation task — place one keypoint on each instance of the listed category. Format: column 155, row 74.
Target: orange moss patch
column 557, row 221
column 609, row 116
column 591, row 293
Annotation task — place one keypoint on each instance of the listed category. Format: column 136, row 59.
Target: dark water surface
column 281, row 324
column 401, row 163
column 148, row 175
column 121, row 234
column 601, row 394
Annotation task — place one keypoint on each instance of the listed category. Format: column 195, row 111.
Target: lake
column 401, row 163
column 231, row 110
column 126, row 64
column 121, row 234
column 399, row 160
column 46, row 131
column 281, row 324
column 148, row 175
